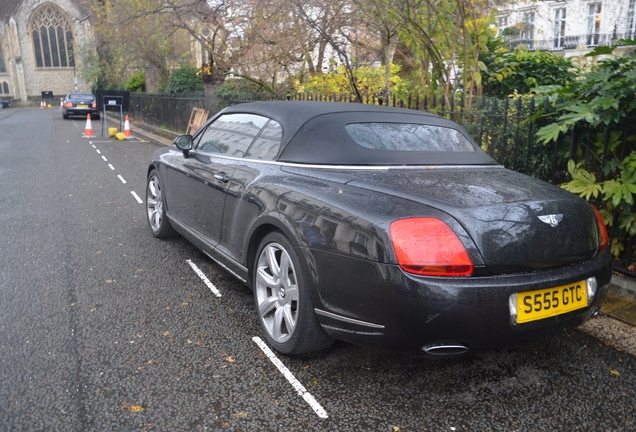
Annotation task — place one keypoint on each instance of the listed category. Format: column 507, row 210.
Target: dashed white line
column 136, row 197
column 111, row 167
column 98, row 151
column 302, row 391
column 121, row 178
column 204, row 279
column 105, row 160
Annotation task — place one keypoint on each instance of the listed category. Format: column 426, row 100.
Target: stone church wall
column 26, row 80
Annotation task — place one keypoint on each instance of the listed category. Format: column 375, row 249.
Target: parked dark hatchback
column 80, row 104
column 378, row 226
column 5, row 103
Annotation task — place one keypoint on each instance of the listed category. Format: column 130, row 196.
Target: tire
column 156, row 208
column 65, row 116
column 282, row 299
column 96, row 117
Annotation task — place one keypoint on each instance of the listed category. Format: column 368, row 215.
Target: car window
column 408, row 137
column 231, row 134
column 267, row 143
column 77, row 96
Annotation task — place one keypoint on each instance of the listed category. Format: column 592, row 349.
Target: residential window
column 559, row 28
column 593, row 24
column 52, row 38
column 503, row 23
column 4, row 88
column 630, row 28
column 527, row 30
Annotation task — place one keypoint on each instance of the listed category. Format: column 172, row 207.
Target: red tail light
column 69, row 105
column 94, row 105
column 428, row 246
column 602, row 231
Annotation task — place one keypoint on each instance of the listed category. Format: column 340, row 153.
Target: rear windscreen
column 408, row 137
column 80, row 96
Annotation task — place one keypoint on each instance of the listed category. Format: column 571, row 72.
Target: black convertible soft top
column 314, row 133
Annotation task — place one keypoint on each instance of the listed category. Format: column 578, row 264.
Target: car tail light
column 428, row 246
column 69, row 105
column 94, row 105
column 602, row 231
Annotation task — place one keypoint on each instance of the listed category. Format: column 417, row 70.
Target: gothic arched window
column 52, row 37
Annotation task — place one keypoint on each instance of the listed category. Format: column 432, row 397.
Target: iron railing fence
column 505, row 129
column 569, row 42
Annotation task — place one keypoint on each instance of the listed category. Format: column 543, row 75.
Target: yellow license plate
column 545, row 303
column 82, row 106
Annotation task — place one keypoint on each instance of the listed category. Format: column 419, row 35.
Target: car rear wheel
column 155, row 208
column 282, row 298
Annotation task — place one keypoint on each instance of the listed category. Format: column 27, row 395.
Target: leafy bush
column 235, row 88
column 522, row 70
column 136, row 83
column 602, row 107
column 186, row 79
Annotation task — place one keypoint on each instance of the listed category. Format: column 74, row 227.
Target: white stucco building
column 571, row 26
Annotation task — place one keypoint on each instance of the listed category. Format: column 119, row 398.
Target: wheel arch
column 265, row 226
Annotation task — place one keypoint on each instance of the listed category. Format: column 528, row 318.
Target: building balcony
column 568, row 42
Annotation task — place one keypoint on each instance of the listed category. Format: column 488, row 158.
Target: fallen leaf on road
column 614, row 372
column 136, row 408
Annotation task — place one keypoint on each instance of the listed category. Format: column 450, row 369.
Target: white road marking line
column 105, row 160
column 136, row 197
column 93, row 145
column 302, row 391
column 204, row 279
column 122, row 179
column 98, row 151
column 111, row 167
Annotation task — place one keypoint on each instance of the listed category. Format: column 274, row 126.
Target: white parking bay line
column 121, row 178
column 302, row 391
column 204, row 279
column 105, row 160
column 136, row 197
column 111, row 167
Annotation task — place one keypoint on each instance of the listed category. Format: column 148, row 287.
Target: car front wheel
column 156, row 209
column 282, row 299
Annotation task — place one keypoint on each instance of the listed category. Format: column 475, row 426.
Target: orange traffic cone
column 42, row 104
column 88, row 132
column 127, row 128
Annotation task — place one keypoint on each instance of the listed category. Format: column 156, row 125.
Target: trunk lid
column 519, row 223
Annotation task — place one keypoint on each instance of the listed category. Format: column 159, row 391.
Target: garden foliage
column 600, row 109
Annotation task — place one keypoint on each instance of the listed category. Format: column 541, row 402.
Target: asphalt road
column 105, row 328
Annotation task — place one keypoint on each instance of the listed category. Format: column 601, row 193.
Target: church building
column 40, row 46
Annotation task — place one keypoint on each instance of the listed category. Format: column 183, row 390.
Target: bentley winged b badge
column 552, row 220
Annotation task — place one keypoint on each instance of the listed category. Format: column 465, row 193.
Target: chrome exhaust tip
column 445, row 350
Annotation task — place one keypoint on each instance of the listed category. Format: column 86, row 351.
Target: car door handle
column 221, row 177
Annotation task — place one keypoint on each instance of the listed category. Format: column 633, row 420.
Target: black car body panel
column 337, row 211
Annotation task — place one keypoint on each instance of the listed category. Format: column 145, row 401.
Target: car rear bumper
column 380, row 305
column 81, row 112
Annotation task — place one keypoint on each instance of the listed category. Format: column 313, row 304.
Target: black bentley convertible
column 379, row 226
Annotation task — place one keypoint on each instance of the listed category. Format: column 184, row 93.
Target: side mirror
column 184, row 143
